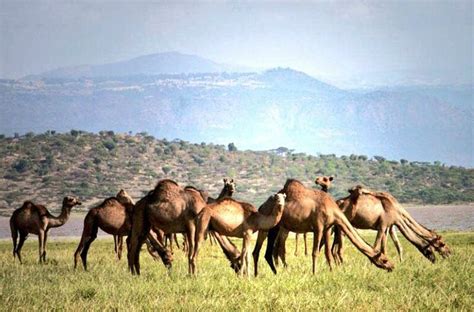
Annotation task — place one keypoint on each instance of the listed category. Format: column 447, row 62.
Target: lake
column 440, row 218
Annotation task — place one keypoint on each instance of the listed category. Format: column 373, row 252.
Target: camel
column 171, row 209
column 36, row 219
column 380, row 211
column 280, row 250
column 233, row 218
column 227, row 191
column 112, row 216
column 310, row 210
column 325, row 183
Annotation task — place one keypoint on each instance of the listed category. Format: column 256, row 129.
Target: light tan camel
column 36, row 219
column 280, row 249
column 112, row 216
column 172, row 209
column 233, row 218
column 380, row 211
column 309, row 210
column 227, row 191
column 325, row 183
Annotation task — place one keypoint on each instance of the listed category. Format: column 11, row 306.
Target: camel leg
column 393, row 235
column 379, row 239
column 327, row 248
column 78, row 250
column 305, row 245
column 318, row 236
column 272, row 236
column 22, row 240
column 296, row 244
column 175, row 237
column 87, row 244
column 337, row 245
column 262, row 235
column 203, row 220
column 245, row 254
column 119, row 246
column 282, row 245
column 40, row 243
column 116, row 246
column 14, row 232
column 45, row 238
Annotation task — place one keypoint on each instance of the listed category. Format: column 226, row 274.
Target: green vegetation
column 414, row 285
column 48, row 166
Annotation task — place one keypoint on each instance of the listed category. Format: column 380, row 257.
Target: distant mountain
column 259, row 111
column 153, row 64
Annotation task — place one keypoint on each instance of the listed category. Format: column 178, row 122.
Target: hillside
column 46, row 167
column 277, row 107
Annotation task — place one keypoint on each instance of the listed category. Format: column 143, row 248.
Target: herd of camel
column 169, row 209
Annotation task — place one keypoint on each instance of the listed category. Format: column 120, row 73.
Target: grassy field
column 415, row 284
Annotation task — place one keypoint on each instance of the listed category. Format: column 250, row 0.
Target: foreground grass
column 416, row 284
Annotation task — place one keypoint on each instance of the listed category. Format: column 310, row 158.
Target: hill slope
column 48, row 166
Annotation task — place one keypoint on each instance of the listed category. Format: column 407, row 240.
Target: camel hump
column 41, row 210
column 166, row 190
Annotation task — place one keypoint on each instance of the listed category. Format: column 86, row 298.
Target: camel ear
column 331, row 178
column 225, row 180
column 231, row 180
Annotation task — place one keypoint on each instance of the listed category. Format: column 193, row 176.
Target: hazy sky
column 349, row 43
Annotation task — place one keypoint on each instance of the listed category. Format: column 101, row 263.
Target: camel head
column 440, row 246
column 280, row 199
column 381, row 261
column 229, row 186
column 324, row 182
column 358, row 190
column 71, row 201
column 124, row 198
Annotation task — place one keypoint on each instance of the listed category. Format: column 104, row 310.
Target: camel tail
column 14, row 232
column 422, row 245
column 375, row 257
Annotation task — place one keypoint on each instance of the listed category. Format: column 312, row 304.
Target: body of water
column 440, row 218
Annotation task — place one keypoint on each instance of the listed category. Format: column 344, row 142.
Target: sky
column 351, row 44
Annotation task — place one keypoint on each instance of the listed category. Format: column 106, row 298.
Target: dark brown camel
column 230, row 217
column 172, row 209
column 309, row 210
column 112, row 216
column 36, row 219
column 380, row 211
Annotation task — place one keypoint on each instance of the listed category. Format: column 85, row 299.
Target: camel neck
column 61, row 219
column 224, row 193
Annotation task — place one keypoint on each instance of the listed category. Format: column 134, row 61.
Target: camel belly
column 113, row 222
column 228, row 224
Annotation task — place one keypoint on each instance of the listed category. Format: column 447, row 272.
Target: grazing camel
column 280, row 249
column 36, row 219
column 230, row 217
column 309, row 210
column 112, row 216
column 227, row 191
column 171, row 209
column 325, row 183
column 380, row 211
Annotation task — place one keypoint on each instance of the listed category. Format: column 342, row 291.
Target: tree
column 379, row 158
column 231, row 147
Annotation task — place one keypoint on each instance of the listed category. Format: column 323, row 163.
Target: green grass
column 415, row 284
